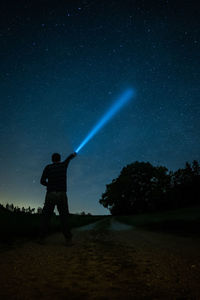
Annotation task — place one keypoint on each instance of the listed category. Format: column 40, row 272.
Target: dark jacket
column 54, row 176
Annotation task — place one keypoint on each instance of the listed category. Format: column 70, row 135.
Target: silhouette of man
column 54, row 177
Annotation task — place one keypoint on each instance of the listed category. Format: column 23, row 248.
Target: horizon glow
column 120, row 102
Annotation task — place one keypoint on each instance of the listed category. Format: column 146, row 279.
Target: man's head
column 55, row 157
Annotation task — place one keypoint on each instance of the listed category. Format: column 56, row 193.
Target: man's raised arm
column 71, row 156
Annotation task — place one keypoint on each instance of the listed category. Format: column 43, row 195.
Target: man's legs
column 62, row 205
column 47, row 212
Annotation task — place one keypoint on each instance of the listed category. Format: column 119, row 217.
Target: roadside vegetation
column 182, row 222
column 24, row 224
column 143, row 188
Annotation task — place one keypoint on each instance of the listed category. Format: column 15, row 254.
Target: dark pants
column 58, row 199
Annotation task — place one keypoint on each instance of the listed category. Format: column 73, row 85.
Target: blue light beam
column 121, row 101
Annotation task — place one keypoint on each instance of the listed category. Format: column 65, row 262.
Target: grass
column 183, row 222
column 15, row 225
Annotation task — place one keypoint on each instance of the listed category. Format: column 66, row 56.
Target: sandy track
column 103, row 264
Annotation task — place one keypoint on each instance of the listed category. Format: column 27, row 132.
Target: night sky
column 63, row 63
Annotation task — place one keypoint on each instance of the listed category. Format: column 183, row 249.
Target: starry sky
column 64, row 62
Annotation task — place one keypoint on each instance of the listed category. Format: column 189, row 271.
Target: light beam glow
column 121, row 101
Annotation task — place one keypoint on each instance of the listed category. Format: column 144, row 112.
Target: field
column 21, row 225
column 128, row 257
column 107, row 260
column 182, row 222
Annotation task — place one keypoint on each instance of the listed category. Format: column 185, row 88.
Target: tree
column 196, row 168
column 140, row 187
column 39, row 210
column 185, row 185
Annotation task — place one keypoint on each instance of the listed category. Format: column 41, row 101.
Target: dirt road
column 107, row 261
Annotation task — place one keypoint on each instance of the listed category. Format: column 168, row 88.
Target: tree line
column 142, row 187
column 16, row 209
column 22, row 210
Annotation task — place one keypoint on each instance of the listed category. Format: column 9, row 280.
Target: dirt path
column 107, row 261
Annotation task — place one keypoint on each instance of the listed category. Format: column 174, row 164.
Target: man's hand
column 74, row 154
